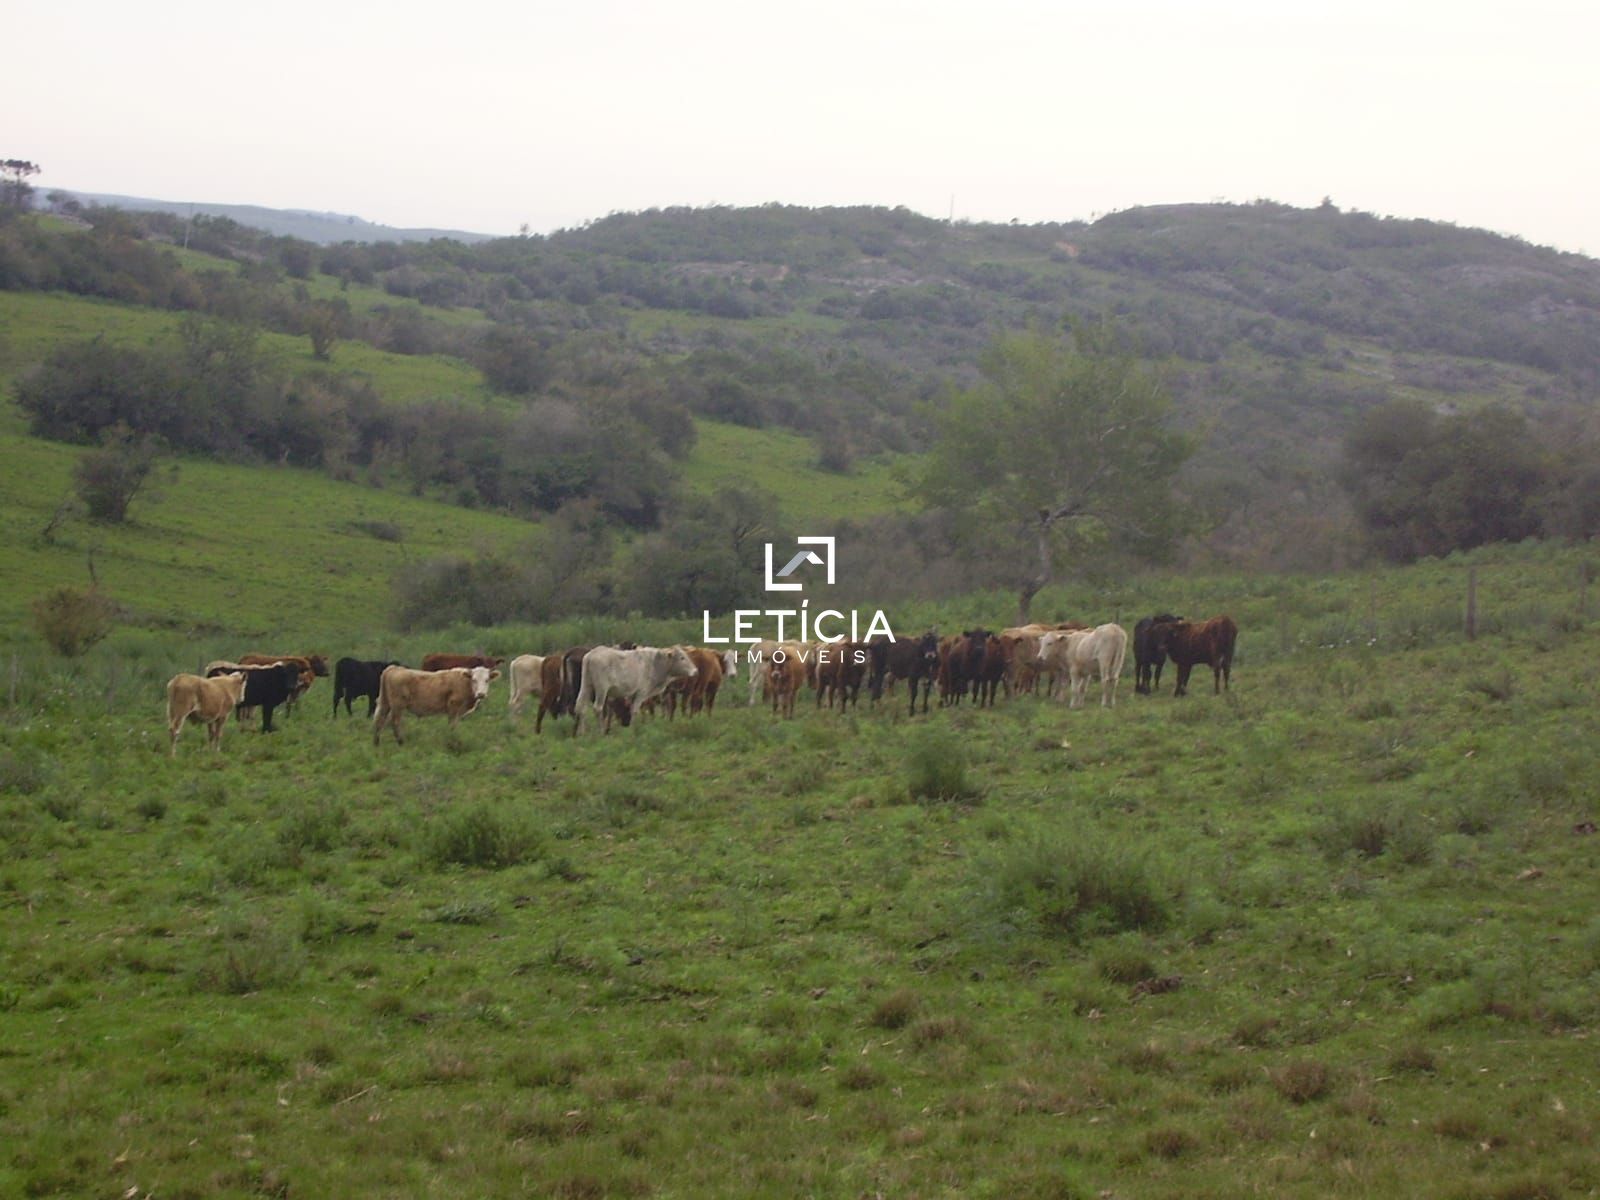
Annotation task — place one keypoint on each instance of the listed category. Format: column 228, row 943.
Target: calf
column 191, row 698
column 784, row 677
column 353, row 677
column 265, row 687
column 452, row 693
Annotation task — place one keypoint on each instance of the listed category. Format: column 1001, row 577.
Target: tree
column 325, row 322
column 1062, row 452
column 108, row 479
column 1425, row 484
column 15, row 190
column 71, row 621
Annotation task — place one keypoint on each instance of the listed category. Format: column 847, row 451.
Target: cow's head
column 679, row 664
column 928, row 648
column 1161, row 632
column 480, row 677
column 730, row 663
column 319, row 664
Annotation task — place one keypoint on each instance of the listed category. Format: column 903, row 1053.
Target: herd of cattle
column 611, row 683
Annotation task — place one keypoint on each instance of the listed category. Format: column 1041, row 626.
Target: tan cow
column 785, row 675
column 193, row 698
column 526, row 679
column 452, row 693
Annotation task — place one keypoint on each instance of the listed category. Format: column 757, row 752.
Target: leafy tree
column 1062, row 452
column 707, row 555
column 325, row 322
column 1425, row 484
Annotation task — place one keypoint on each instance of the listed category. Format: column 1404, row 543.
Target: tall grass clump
column 936, row 768
column 482, row 836
column 1077, row 889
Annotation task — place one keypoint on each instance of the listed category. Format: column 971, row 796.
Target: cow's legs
column 1183, row 678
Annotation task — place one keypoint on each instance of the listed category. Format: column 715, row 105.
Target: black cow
column 1149, row 656
column 914, row 660
column 354, row 677
column 264, row 687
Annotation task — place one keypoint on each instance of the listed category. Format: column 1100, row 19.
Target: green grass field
column 1331, row 934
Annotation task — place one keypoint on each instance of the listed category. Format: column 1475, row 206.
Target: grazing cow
column 191, row 698
column 445, row 662
column 916, row 661
column 353, row 677
column 559, row 675
column 265, row 687
column 1085, row 653
column 991, row 671
column 1187, row 643
column 453, row 693
column 784, row 676
column 1148, row 657
column 634, row 676
column 840, row 669
column 527, row 675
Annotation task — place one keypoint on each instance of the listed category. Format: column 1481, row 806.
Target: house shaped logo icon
column 801, row 558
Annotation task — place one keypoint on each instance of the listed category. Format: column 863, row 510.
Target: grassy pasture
column 1332, row 934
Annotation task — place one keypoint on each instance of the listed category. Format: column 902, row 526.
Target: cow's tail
column 571, row 684
column 1119, row 655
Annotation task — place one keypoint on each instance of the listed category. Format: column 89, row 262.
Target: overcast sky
column 485, row 116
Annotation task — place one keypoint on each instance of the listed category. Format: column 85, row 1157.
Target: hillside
column 322, row 228
column 646, row 360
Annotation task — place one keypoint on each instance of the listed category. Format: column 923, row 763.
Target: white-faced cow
column 209, row 701
column 451, row 693
column 1085, row 654
column 633, row 676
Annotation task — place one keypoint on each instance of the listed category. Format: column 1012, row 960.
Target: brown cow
column 446, row 662
column 786, row 674
column 1189, row 642
column 992, row 670
column 452, row 693
column 189, row 697
column 841, row 667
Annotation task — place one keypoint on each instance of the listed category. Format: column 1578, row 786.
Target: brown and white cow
column 446, row 662
column 451, row 693
column 209, row 701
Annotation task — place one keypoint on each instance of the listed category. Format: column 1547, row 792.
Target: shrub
column 107, row 480
column 1081, row 888
column 22, row 772
column 936, row 769
column 249, row 955
column 483, row 837
column 71, row 621
column 1302, row 1081
column 895, row 1010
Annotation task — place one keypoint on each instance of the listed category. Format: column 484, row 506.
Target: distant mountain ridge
column 323, row 228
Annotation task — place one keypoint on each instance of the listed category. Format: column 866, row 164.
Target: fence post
column 1472, row 603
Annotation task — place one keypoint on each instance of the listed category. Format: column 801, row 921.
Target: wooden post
column 1472, row 603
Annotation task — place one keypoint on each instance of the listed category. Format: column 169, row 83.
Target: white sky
column 483, row 115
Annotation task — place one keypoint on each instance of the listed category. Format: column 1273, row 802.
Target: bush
column 483, row 837
column 1082, row 888
column 71, row 621
column 108, row 479
column 936, row 769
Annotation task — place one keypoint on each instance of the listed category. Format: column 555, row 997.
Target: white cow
column 633, row 676
column 525, row 679
column 1085, row 653
column 758, row 668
